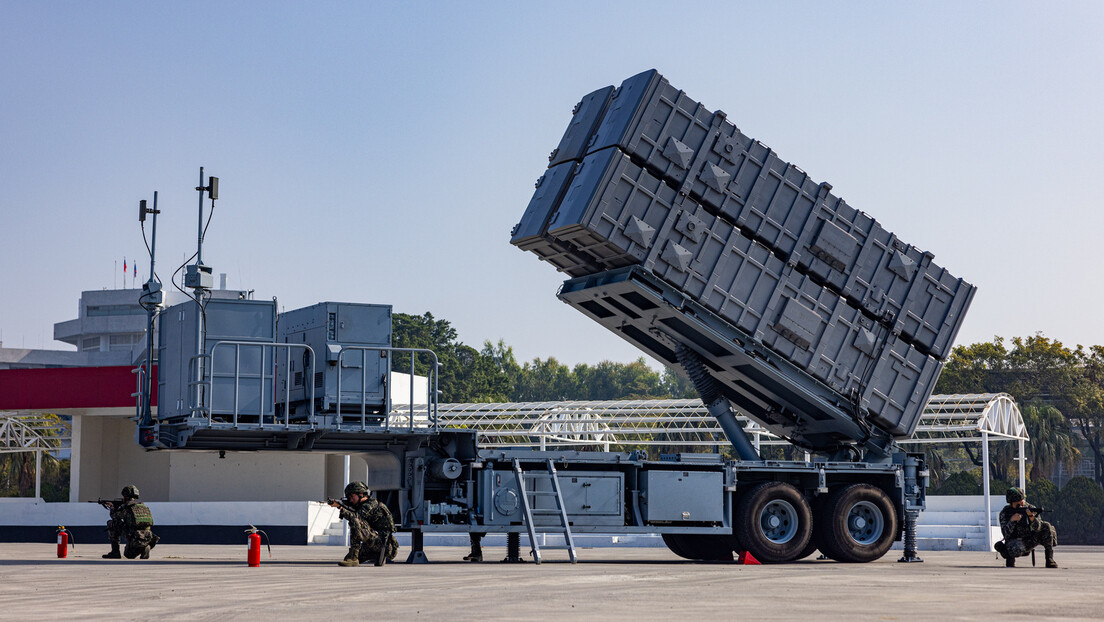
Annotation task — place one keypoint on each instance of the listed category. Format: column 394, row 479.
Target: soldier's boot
column 145, row 552
column 351, row 559
column 1001, row 548
column 154, row 542
column 114, row 552
column 476, row 554
column 1010, row 562
column 1050, row 563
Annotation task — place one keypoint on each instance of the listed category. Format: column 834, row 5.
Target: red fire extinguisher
column 63, row 539
column 254, row 541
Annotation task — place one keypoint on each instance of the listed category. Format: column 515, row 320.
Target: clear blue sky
column 381, row 152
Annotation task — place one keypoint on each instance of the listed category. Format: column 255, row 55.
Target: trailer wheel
column 809, row 549
column 774, row 522
column 857, row 524
column 817, row 503
column 700, row 547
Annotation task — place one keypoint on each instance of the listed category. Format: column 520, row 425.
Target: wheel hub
column 778, row 521
column 865, row 523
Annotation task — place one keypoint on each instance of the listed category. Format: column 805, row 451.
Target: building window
column 102, row 310
column 90, row 343
column 122, row 342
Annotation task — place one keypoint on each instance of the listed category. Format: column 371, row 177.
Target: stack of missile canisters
column 645, row 176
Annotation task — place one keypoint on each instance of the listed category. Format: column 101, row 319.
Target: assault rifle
column 109, row 503
column 340, row 503
column 1029, row 513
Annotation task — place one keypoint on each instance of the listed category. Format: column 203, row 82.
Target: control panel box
column 682, row 496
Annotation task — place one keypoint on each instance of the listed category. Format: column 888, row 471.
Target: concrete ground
column 197, row 582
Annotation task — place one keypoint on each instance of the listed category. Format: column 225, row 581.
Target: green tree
column 1079, row 512
column 976, row 368
column 1042, row 493
column 1045, row 371
column 465, row 374
column 1051, row 443
column 961, row 483
column 1085, row 406
column 544, row 380
column 675, row 386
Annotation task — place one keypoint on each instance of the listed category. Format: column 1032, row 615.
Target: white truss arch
column 947, row 418
column 969, row 416
column 21, row 433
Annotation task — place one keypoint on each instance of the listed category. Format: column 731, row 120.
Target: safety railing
column 208, row 374
column 392, row 420
column 139, row 392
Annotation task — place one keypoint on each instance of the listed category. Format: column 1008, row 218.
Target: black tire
column 856, row 524
column 813, row 546
column 809, row 549
column 700, row 547
column 774, row 522
column 675, row 544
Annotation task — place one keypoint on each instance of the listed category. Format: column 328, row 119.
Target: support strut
column 910, row 539
column 717, row 404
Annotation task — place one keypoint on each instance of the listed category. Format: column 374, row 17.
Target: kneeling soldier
column 371, row 528
column 1023, row 530
column 130, row 519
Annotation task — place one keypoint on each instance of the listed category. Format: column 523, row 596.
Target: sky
column 381, row 152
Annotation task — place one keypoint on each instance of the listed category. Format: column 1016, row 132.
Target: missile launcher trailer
column 776, row 298
column 702, row 248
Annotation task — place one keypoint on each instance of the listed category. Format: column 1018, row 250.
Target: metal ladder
column 560, row 511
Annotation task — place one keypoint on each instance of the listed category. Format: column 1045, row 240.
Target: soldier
column 370, row 525
column 476, row 554
column 1023, row 530
column 130, row 519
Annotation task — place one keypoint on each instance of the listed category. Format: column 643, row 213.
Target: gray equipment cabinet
column 342, row 336
column 234, row 374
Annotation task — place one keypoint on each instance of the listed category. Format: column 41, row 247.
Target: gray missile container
column 679, row 229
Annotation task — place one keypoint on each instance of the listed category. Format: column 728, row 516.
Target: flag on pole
column 124, row 266
column 136, row 269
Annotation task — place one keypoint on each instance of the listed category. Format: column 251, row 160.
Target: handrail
column 204, row 397
column 431, row 385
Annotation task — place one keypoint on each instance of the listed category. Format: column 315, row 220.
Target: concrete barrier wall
column 285, row 522
column 298, row 522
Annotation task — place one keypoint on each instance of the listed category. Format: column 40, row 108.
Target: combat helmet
column 1014, row 494
column 359, row 488
column 130, row 492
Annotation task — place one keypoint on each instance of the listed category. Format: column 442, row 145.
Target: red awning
column 58, row 388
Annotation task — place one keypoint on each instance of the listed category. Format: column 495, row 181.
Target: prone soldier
column 371, row 528
column 130, row 519
column 1023, row 530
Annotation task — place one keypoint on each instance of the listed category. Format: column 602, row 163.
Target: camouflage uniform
column 371, row 528
column 1021, row 536
column 131, row 520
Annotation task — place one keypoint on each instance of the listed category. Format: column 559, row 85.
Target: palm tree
column 17, row 468
column 1051, row 443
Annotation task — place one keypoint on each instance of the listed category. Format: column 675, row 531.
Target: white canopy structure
column 33, row 433
column 965, row 417
column 947, row 418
